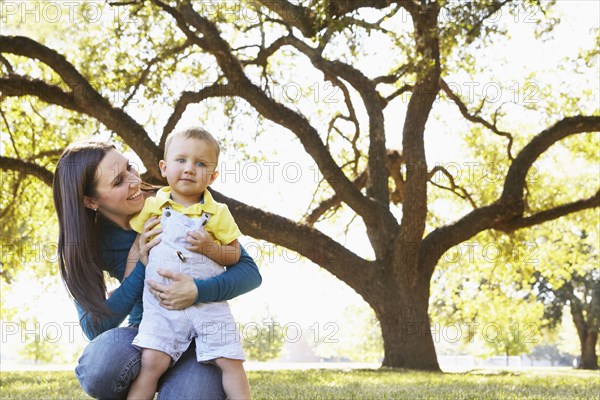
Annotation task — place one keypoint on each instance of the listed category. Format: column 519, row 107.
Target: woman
column 96, row 191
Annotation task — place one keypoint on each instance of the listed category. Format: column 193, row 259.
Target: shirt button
column 168, row 214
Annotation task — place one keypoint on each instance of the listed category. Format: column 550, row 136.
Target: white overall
column 171, row 331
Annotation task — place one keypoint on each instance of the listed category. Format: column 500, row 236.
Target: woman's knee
column 190, row 379
column 109, row 364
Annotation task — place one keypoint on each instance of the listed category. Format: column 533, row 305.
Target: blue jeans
column 110, row 363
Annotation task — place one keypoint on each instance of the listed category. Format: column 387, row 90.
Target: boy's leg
column 190, row 379
column 235, row 381
column 154, row 364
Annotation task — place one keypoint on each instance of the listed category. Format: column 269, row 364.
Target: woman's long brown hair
column 78, row 238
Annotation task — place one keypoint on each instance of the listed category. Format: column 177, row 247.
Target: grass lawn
column 540, row 383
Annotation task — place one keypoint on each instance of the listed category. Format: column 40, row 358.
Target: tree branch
column 10, row 133
column 267, row 107
column 475, row 118
column 394, row 161
column 265, row 52
column 395, row 76
column 187, row 98
column 6, row 64
column 514, row 184
column 146, row 71
column 495, row 6
column 18, row 85
column 548, row 215
column 83, row 97
column 14, row 199
column 377, row 186
column 293, row 15
column 333, row 201
column 424, row 93
column 307, row 241
column 305, row 20
column 351, row 117
column 453, row 186
column 28, row 168
column 52, row 154
column 398, row 92
column 506, row 213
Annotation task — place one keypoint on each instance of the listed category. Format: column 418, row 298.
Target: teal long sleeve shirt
column 126, row 300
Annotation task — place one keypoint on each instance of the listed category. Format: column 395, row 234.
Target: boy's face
column 189, row 168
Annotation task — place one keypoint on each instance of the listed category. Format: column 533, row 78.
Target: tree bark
column 589, row 358
column 402, row 311
column 587, row 330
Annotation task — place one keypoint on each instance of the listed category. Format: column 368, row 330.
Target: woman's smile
column 136, row 196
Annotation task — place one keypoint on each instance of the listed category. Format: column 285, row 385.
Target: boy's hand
column 200, row 242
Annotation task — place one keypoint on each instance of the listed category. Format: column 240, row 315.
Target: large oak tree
column 223, row 55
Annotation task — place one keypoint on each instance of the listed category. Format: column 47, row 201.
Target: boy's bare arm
column 224, row 254
column 231, row 253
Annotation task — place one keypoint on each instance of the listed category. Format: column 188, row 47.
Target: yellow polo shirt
column 220, row 225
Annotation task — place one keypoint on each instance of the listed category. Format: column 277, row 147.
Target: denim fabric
column 191, row 380
column 110, row 363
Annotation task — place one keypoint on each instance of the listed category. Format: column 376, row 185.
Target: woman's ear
column 89, row 203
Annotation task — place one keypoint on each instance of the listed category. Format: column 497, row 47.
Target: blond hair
column 193, row 133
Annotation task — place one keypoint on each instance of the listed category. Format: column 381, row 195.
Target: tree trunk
column 589, row 359
column 407, row 341
column 587, row 332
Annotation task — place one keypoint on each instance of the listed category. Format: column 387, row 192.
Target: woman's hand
column 149, row 237
column 179, row 294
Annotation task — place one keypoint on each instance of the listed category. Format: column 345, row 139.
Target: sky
column 295, row 291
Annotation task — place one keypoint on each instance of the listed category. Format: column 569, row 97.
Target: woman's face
column 118, row 194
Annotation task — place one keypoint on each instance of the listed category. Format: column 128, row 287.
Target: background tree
column 552, row 353
column 182, row 53
column 508, row 335
column 578, row 288
column 558, row 269
column 30, row 324
column 482, row 299
column 263, row 341
column 37, row 348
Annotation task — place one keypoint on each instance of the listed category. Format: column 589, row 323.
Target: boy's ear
column 214, row 176
column 89, row 203
column 163, row 168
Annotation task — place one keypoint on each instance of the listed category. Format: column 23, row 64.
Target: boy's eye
column 180, row 160
column 200, row 164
